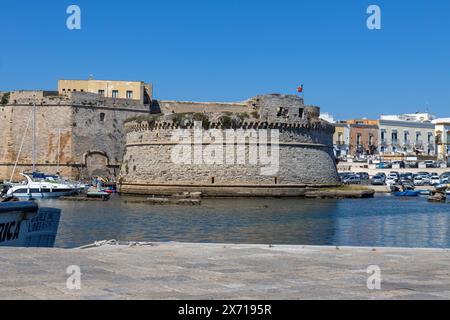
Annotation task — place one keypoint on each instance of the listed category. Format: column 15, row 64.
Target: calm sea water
column 382, row 221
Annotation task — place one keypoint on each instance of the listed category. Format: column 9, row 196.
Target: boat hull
column 23, row 224
column 408, row 193
column 43, row 195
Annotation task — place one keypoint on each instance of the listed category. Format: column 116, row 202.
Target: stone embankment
column 222, row 271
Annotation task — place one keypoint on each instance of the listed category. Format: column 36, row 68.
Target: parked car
column 424, row 179
column 406, row 178
column 412, row 164
column 363, row 175
column 381, row 174
column 400, row 163
column 378, row 180
column 430, row 164
column 391, row 180
column 352, row 179
column 445, row 175
column 418, row 181
column 384, row 165
column 435, row 179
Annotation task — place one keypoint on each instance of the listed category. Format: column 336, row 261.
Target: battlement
column 171, row 125
column 76, row 99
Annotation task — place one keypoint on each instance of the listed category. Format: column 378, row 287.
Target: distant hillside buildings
column 395, row 136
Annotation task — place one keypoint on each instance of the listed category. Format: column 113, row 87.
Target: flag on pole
column 300, row 89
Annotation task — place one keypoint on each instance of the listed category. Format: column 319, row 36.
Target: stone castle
column 304, row 150
column 81, row 133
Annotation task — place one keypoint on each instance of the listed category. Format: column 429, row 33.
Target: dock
column 223, row 271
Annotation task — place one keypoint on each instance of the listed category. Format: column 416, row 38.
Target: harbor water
column 383, row 221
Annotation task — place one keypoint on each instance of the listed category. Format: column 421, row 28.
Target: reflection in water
column 382, row 221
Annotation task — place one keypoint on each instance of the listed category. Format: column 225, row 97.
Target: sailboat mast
column 59, row 150
column 34, row 138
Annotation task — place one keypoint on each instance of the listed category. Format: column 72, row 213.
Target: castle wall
column 52, row 124
column 89, row 129
column 305, row 159
column 169, row 107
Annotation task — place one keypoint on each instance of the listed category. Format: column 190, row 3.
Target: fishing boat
column 40, row 186
column 25, row 224
column 407, row 193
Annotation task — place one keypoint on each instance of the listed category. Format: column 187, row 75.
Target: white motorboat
column 24, row 224
column 39, row 186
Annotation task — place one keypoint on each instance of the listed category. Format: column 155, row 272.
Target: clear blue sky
column 232, row 50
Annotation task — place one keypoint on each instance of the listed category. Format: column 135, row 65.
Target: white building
column 443, row 138
column 415, row 117
column 407, row 134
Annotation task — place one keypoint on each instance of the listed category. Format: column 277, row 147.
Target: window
column 383, row 136
column 300, row 112
column 74, row 90
column 358, row 139
column 394, row 137
column 370, row 140
column 64, row 90
column 101, row 92
column 115, row 93
column 102, row 117
column 406, row 137
column 129, row 94
column 82, row 90
column 418, row 137
column 340, row 138
column 430, row 137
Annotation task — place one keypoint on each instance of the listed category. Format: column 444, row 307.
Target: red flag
column 300, row 89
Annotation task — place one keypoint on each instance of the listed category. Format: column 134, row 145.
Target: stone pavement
column 215, row 271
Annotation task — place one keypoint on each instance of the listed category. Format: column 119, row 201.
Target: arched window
column 102, row 117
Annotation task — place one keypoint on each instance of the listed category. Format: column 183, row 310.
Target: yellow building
column 133, row 90
column 341, row 139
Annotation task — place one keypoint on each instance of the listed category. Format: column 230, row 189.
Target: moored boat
column 25, row 224
column 42, row 186
column 407, row 193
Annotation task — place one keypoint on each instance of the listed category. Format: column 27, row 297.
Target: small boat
column 437, row 197
column 407, row 193
column 25, row 224
column 98, row 193
column 39, row 185
column 425, row 192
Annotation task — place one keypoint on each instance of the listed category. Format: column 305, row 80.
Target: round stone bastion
column 277, row 148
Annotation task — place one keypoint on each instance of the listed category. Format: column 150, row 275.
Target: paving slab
column 223, row 271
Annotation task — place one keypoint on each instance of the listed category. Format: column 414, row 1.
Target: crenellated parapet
column 257, row 125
